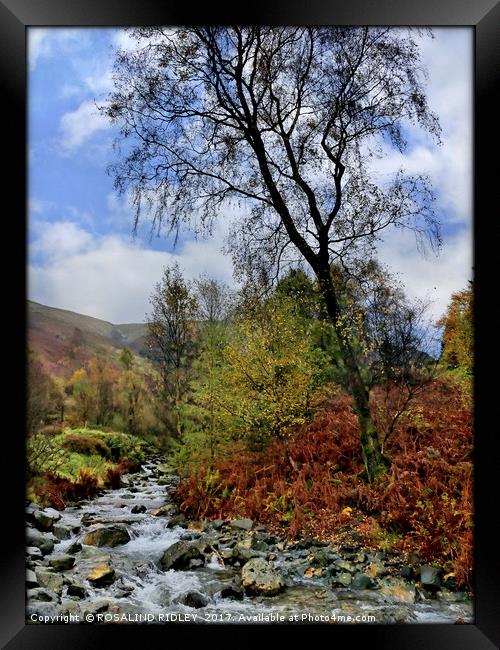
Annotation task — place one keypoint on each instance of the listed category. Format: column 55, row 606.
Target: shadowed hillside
column 64, row 338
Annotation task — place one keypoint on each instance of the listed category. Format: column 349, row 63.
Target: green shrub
column 86, row 445
column 121, row 445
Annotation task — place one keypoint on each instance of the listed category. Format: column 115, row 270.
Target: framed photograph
column 253, row 255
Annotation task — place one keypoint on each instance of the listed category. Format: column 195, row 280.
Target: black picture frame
column 484, row 17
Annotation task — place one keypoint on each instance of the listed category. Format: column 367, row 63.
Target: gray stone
column 42, row 541
column 258, row 544
column 139, row 509
column 95, row 607
column 362, row 581
column 34, row 553
column 343, row 578
column 194, row 599
column 179, row 555
column 74, row 548
column 177, row 520
column 76, row 590
column 62, row 532
column 233, row 591
column 49, row 579
column 31, row 580
column 43, row 521
column 241, row 524
column 41, row 594
column 259, row 577
column 107, row 536
column 62, row 562
column 70, row 607
column 243, row 553
column 429, row 577
column 343, row 565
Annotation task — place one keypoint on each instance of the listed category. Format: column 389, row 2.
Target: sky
column 82, row 255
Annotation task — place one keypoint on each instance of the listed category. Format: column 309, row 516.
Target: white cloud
column 110, row 277
column 449, row 60
column 59, row 240
column 78, row 126
column 46, row 42
column 430, row 277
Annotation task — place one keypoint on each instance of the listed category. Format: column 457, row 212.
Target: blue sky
column 81, row 253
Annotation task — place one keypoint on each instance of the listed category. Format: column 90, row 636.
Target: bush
column 86, row 445
column 121, row 445
column 313, row 485
column 58, row 492
column 44, row 454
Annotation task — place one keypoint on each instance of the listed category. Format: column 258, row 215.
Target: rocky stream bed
column 127, row 555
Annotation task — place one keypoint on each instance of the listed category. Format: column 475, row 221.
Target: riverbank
column 130, row 553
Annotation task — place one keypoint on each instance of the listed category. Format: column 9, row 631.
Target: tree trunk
column 373, row 459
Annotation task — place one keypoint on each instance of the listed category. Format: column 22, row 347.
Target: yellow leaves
column 346, row 512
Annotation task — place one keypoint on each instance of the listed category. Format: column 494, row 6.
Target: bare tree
column 283, row 122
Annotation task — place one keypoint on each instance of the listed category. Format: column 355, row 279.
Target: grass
column 90, row 459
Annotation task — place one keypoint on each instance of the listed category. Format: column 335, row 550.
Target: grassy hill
column 65, row 339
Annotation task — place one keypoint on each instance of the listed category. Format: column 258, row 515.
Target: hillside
column 63, row 338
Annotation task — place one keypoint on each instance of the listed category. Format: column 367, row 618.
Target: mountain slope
column 65, row 339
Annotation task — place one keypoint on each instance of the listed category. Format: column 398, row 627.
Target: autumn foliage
column 312, row 485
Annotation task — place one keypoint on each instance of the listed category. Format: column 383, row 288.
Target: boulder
column 95, row 607
column 177, row 520
column 101, row 575
column 232, row 591
column 76, row 590
column 179, row 555
column 43, row 520
column 43, row 541
column 74, row 548
column 62, row 562
column 429, row 577
column 259, row 577
column 258, row 544
column 41, row 594
column 323, row 557
column 343, row 579
column 241, row 524
column 62, row 532
column 164, row 511
column 107, row 536
column 407, row 572
column 31, row 580
column 48, row 579
column 362, row 581
column 344, row 565
column 137, row 510
column 243, row 553
column 34, row 553
column 194, row 599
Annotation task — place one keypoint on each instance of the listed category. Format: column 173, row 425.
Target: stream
column 319, row 584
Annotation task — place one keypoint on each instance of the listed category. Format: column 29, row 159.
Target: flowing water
column 141, row 588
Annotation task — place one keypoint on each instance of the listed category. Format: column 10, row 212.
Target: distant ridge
column 59, row 334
